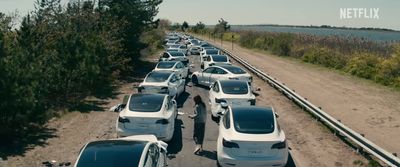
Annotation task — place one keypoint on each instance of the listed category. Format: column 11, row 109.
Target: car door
column 152, row 156
column 217, row 74
column 173, row 85
column 179, row 69
column 171, row 114
column 214, row 91
column 205, row 76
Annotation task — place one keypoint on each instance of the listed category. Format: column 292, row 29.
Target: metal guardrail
column 383, row 155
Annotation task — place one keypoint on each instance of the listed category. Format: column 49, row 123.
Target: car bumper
column 228, row 161
column 165, row 134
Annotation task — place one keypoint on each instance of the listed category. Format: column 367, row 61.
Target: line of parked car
column 248, row 135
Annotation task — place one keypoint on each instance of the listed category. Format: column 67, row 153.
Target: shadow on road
column 182, row 99
column 290, row 162
column 32, row 136
column 209, row 154
column 175, row 145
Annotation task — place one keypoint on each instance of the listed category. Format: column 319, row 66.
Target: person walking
column 200, row 117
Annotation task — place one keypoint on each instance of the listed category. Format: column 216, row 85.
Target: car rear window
column 177, row 54
column 166, row 64
column 211, row 52
column 157, row 76
column 220, row 58
column 253, row 120
column 234, row 69
column 234, row 87
column 112, row 154
column 146, row 102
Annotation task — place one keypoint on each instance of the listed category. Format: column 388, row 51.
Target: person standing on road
column 200, row 117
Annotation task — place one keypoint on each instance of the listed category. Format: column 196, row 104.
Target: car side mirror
column 224, row 105
column 276, row 115
column 118, row 108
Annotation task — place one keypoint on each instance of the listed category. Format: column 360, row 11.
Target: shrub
column 324, row 56
column 363, row 65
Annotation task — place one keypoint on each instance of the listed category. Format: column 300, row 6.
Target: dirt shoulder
column 365, row 107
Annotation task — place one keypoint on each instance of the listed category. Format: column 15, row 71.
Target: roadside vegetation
column 376, row 61
column 61, row 55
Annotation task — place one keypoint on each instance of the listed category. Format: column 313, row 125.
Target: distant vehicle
column 194, row 51
column 215, row 60
column 176, row 66
column 225, row 72
column 163, row 82
column 183, row 48
column 207, row 52
column 251, row 136
column 174, row 56
column 148, row 114
column 174, row 46
column 203, row 49
column 232, row 92
column 141, row 151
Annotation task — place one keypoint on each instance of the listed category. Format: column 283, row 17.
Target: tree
column 221, row 27
column 198, row 27
column 164, row 24
column 184, row 26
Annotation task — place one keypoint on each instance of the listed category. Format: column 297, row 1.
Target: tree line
column 60, row 55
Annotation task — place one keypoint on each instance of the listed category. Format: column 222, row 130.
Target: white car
column 148, row 114
column 224, row 72
column 175, row 66
column 163, row 82
column 231, row 92
column 174, row 56
column 251, row 136
column 207, row 52
column 141, row 151
column 216, row 60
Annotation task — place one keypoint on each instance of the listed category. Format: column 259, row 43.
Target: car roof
column 229, row 66
column 161, row 72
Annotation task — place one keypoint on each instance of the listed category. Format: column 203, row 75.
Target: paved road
column 182, row 146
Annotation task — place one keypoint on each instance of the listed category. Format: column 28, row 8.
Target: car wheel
column 195, row 81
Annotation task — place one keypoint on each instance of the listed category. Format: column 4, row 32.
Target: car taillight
column 211, row 64
column 252, row 102
column 229, row 144
column 220, row 100
column 162, row 121
column 280, row 145
column 233, row 78
column 123, row 120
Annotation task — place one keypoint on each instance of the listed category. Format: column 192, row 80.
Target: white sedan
column 163, row 82
column 175, row 66
column 174, row 56
column 251, row 136
column 224, row 72
column 207, row 52
column 141, row 151
column 216, row 60
column 231, row 92
column 148, row 114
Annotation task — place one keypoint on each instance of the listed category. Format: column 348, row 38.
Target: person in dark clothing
column 200, row 117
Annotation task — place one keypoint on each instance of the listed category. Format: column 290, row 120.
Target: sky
column 284, row 12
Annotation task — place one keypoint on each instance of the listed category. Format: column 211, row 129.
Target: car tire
column 195, row 81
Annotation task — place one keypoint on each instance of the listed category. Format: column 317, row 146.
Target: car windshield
column 212, row 52
column 176, row 54
column 113, row 153
column 166, row 64
column 253, row 120
column 234, row 87
column 234, row 69
column 157, row 76
column 146, row 102
column 220, row 58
